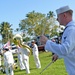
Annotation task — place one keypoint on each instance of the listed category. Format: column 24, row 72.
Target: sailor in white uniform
column 66, row 49
column 25, row 50
column 0, row 56
column 8, row 62
column 20, row 59
column 36, row 54
column 25, row 56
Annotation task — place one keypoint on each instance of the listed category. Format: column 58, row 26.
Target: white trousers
column 9, row 69
column 21, row 62
column 37, row 61
column 0, row 60
column 26, row 63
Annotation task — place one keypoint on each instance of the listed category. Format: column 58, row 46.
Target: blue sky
column 13, row 11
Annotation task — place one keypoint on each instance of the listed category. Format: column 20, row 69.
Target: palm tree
column 50, row 14
column 6, row 31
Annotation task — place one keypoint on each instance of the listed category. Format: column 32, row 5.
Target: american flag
column 7, row 44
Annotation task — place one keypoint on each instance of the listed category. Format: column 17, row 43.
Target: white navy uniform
column 25, row 56
column 0, row 56
column 0, row 60
column 66, row 49
column 36, row 56
column 20, row 59
column 8, row 63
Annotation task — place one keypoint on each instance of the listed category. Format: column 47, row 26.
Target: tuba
column 17, row 39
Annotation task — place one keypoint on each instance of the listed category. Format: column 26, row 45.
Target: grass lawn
column 57, row 68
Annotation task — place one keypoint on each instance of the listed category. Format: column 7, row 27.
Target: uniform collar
column 71, row 23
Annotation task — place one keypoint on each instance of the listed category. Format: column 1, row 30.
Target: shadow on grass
column 32, row 68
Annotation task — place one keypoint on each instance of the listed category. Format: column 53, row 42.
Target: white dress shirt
column 66, row 49
column 35, row 50
column 8, row 58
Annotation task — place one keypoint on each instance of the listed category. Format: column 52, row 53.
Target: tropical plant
column 6, row 32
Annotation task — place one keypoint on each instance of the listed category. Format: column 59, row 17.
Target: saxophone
column 17, row 39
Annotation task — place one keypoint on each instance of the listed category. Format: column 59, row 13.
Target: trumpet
column 17, row 39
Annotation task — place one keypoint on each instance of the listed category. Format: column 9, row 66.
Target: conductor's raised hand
column 43, row 39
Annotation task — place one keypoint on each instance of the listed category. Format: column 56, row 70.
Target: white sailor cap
column 32, row 41
column 63, row 9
